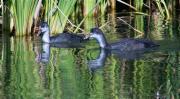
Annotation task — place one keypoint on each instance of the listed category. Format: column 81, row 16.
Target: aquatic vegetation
column 138, row 4
column 23, row 11
column 1, row 7
column 163, row 8
column 59, row 13
column 68, row 74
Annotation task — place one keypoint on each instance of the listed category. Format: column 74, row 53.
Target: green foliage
column 57, row 13
column 163, row 8
column 139, row 25
column 138, row 5
column 23, row 11
column 21, row 76
column 103, row 6
column 68, row 75
column 88, row 5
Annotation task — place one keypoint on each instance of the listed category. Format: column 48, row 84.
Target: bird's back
column 66, row 38
column 132, row 44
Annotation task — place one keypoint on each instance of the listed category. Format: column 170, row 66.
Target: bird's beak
column 88, row 36
column 39, row 32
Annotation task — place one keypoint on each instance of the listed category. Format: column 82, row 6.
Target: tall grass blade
column 88, row 15
column 138, row 4
column 88, row 5
column 23, row 12
column 127, row 4
column 163, row 8
column 57, row 13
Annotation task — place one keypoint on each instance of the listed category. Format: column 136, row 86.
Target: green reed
column 89, row 9
column 23, row 11
column 87, row 6
column 91, row 12
column 103, row 6
column 57, row 13
column 139, row 25
column 138, row 4
column 163, row 8
column 1, row 7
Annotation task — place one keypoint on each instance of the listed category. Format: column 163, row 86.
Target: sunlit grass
column 163, row 8
column 57, row 13
column 88, row 5
column 23, row 11
column 139, row 25
column 138, row 4
column 88, row 14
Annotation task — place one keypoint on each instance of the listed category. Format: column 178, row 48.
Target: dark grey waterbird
column 59, row 38
column 127, row 44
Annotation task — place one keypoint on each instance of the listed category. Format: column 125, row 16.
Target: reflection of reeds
column 143, row 79
column 21, row 72
column 53, row 74
column 67, row 74
column 162, row 76
column 172, row 81
column 109, row 79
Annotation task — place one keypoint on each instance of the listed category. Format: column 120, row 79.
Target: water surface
column 33, row 70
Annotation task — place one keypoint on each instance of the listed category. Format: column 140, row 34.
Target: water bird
column 127, row 44
column 59, row 38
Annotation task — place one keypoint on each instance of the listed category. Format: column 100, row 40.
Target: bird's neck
column 102, row 41
column 46, row 37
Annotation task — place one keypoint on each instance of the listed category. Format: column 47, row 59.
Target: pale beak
column 39, row 32
column 88, row 36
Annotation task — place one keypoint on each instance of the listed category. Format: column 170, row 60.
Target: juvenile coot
column 60, row 38
column 122, row 45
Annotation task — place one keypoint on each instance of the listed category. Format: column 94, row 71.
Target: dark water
column 32, row 70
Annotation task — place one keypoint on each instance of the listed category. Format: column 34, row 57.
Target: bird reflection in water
column 99, row 62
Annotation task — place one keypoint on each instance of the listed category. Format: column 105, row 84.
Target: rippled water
column 32, row 70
